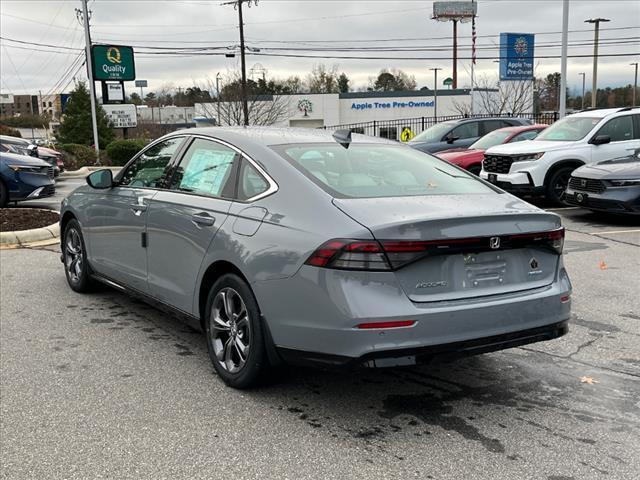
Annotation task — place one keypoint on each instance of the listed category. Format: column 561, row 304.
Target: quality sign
column 113, row 63
column 516, row 56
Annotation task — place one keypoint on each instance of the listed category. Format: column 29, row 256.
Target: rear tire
column 74, row 257
column 557, row 184
column 4, row 195
column 235, row 339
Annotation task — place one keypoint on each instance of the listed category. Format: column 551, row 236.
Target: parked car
column 611, row 186
column 471, row 158
column 303, row 246
column 460, row 133
column 543, row 165
column 24, row 178
column 25, row 147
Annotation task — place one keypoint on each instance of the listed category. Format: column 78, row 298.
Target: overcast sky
column 304, row 24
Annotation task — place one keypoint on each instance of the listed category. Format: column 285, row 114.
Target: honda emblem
column 494, row 242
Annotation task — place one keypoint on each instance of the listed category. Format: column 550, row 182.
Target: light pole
column 435, row 93
column 583, row 79
column 218, row 97
column 635, row 84
column 563, row 59
column 596, row 35
column 92, row 87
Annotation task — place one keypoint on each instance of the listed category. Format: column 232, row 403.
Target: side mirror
column 601, row 139
column 449, row 139
column 33, row 150
column 100, row 179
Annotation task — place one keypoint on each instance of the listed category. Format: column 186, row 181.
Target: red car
column 471, row 158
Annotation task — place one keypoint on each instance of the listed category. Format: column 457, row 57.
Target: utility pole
column 635, row 84
column 563, row 59
column 596, row 38
column 435, row 93
column 583, row 78
column 92, row 87
column 237, row 4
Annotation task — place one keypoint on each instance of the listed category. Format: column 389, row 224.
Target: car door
column 624, row 139
column 184, row 219
column 119, row 235
column 465, row 134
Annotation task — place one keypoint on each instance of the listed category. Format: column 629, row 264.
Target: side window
column 619, row 129
column 150, row 168
column 491, row 125
column 466, row 130
column 206, row 169
column 528, row 135
column 251, row 183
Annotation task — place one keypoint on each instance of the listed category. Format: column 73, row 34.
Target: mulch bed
column 13, row 219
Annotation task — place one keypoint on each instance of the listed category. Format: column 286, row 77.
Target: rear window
column 366, row 171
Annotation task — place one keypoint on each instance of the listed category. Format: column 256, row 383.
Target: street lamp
column 435, row 93
column 635, row 84
column 594, row 88
column 583, row 78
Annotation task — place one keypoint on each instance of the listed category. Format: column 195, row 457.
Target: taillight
column 386, row 255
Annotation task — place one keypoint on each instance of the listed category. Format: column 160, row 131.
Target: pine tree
column 76, row 124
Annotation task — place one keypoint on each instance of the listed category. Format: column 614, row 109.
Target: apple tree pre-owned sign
column 113, row 63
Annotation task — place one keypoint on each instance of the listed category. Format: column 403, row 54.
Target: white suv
column 542, row 166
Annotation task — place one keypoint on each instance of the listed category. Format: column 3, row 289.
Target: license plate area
column 493, row 178
column 484, row 270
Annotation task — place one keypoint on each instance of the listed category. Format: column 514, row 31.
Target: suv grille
column 50, row 171
column 497, row 163
column 586, row 185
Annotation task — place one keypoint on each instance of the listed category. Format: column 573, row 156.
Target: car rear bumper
column 622, row 201
column 323, row 308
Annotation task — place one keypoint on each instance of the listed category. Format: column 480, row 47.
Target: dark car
column 25, row 147
column 612, row 186
column 460, row 133
column 24, row 178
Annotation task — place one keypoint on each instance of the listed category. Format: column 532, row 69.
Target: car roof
column 276, row 135
column 602, row 112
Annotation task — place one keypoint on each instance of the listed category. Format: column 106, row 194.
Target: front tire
column 4, row 195
column 74, row 257
column 235, row 339
column 557, row 184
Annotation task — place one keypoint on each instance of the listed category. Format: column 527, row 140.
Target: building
column 345, row 109
column 169, row 115
column 13, row 105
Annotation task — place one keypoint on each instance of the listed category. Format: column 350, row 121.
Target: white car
column 543, row 166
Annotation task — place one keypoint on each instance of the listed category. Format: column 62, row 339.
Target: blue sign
column 516, row 56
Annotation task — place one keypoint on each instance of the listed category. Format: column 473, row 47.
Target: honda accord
column 313, row 247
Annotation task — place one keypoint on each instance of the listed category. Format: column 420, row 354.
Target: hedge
column 121, row 151
column 11, row 132
column 77, row 155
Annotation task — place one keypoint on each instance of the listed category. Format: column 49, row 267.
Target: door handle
column 138, row 208
column 202, row 219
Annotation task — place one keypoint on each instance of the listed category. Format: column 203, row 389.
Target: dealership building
column 351, row 108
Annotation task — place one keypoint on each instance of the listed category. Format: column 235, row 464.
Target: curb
column 20, row 238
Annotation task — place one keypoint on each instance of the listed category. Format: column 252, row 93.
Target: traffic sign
column 113, row 62
column 141, row 83
column 447, row 82
column 407, row 134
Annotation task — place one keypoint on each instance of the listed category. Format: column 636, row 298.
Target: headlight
column 632, row 182
column 26, row 169
column 527, row 157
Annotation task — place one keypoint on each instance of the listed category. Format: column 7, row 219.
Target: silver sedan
column 315, row 247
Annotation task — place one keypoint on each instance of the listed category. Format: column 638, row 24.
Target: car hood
column 49, row 151
column 453, row 150
column 609, row 171
column 459, row 155
column 23, row 160
column 531, row 146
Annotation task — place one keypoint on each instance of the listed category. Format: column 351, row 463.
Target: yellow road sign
column 406, row 134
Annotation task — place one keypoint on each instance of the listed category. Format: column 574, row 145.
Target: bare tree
column 263, row 109
column 323, row 79
column 508, row 97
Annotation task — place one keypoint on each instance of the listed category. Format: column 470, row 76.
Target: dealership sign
column 113, row 63
column 390, row 105
column 516, row 56
column 122, row 116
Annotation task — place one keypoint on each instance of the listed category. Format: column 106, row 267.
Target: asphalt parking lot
column 101, row 386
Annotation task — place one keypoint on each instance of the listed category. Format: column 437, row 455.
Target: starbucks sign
column 113, row 63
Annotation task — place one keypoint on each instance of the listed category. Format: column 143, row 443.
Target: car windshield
column 492, row 139
column 435, row 133
column 370, row 170
column 569, row 129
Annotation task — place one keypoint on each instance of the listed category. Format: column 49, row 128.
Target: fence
column 393, row 128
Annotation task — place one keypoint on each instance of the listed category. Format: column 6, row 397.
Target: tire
column 475, row 169
column 4, row 195
column 557, row 184
column 74, row 257
column 235, row 339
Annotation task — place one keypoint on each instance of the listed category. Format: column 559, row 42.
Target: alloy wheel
column 230, row 330
column 560, row 185
column 73, row 255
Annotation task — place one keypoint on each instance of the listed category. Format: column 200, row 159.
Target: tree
column 343, row 83
column 76, row 125
column 508, row 97
column 323, row 79
column 394, row 80
column 135, row 99
column 150, row 100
